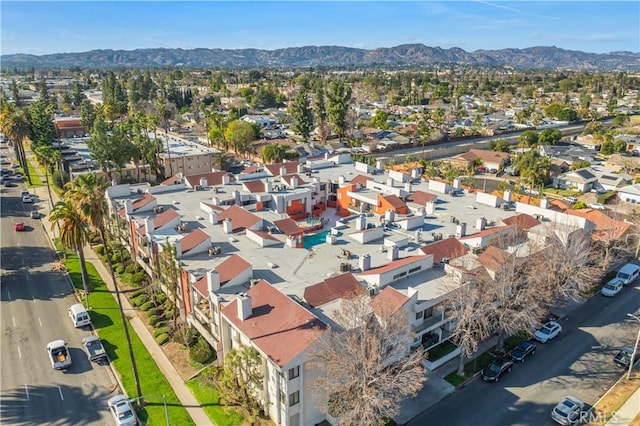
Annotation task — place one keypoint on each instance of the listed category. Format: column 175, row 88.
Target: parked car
column 494, row 171
column 122, row 411
column 34, row 214
column 623, row 357
column 27, row 199
column 571, row 200
column 522, row 351
column 18, row 226
column 8, row 183
column 18, row 177
column 612, row 288
column 95, row 350
column 497, row 368
column 596, row 206
column 547, row 332
column 568, row 411
column 59, row 354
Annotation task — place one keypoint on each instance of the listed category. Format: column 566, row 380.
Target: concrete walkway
column 181, row 390
column 625, row 415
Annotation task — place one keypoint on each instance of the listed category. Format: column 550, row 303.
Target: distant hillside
column 405, row 55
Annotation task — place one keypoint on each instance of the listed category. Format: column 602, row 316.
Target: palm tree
column 170, row 273
column 15, row 125
column 44, row 154
column 87, row 193
column 74, row 234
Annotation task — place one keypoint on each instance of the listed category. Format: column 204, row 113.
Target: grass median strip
column 208, row 398
column 105, row 316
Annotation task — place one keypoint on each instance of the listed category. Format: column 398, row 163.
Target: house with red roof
column 281, row 331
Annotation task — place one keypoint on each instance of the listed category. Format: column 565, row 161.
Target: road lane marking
column 60, row 390
column 26, row 389
column 40, row 321
column 14, row 321
column 9, row 294
column 19, row 352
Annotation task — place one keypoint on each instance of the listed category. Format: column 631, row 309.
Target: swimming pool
column 315, row 239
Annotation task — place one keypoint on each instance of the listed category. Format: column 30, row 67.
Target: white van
column 79, row 315
column 628, row 273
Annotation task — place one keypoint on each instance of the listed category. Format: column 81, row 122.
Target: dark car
column 522, row 351
column 498, row 366
column 624, row 356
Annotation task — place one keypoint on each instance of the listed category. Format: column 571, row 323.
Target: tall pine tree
column 302, row 114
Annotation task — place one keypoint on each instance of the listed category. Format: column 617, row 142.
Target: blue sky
column 54, row 27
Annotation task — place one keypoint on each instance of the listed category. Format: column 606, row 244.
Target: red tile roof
column 193, row 239
column 254, row 186
column 331, row 289
column 607, row 229
column 395, row 201
column 290, row 166
column 231, row 267
column 394, row 264
column 449, row 248
column 489, row 156
column 202, row 286
column 421, row 197
column 288, row 226
column 289, row 178
column 173, row 180
column 279, row 327
column 250, row 169
column 141, row 202
column 213, row 178
column 389, row 301
column 241, row 219
column 361, row 180
column 160, row 220
column 521, row 221
column 492, row 258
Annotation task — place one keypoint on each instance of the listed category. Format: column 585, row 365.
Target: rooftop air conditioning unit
column 198, row 187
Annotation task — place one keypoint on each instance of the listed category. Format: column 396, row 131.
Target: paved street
column 34, row 303
column 579, row 362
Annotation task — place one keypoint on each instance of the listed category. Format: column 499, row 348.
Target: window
column 294, row 372
column 400, row 275
column 419, row 314
column 294, row 398
column 416, row 269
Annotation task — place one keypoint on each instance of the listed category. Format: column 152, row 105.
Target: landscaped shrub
column 104, row 258
column 201, row 352
column 158, row 311
column 162, row 339
column 160, row 330
column 99, row 250
column 139, row 300
column 160, row 298
column 131, row 268
column 148, row 305
column 153, row 320
column 116, row 257
column 138, row 278
column 185, row 335
column 137, row 293
column 119, row 269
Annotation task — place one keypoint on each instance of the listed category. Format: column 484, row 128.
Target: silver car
column 122, row 411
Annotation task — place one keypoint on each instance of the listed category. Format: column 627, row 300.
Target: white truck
column 59, row 354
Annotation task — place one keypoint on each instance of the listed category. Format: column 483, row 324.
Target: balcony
column 429, row 322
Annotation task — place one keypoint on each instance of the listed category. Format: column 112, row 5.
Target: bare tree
column 467, row 307
column 365, row 367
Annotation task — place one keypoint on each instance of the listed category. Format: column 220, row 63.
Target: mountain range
column 406, row 55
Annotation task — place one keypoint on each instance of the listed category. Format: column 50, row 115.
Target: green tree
column 111, row 149
column 87, row 114
column 533, row 166
column 170, row 273
column 580, row 164
column 239, row 134
column 74, row 234
column 44, row 154
column 320, row 110
column 302, row 114
column 14, row 123
column 338, row 98
column 77, row 94
column 528, row 138
column 379, row 120
column 42, row 131
column 239, row 380
column 273, row 153
column 549, row 136
column 500, row 145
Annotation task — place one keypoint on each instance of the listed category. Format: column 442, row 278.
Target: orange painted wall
column 344, row 201
column 296, row 208
column 385, row 205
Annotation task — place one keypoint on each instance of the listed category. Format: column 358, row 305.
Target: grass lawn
column 208, row 398
column 35, row 178
column 617, row 396
column 105, row 316
column 563, row 192
column 471, row 367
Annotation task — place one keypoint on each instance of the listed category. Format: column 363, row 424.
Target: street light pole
column 635, row 348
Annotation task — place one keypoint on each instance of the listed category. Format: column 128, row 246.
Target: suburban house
column 68, row 127
column 489, row 159
column 630, row 193
column 589, row 178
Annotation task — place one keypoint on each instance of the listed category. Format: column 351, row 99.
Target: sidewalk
column 625, row 415
column 437, row 388
column 181, row 390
